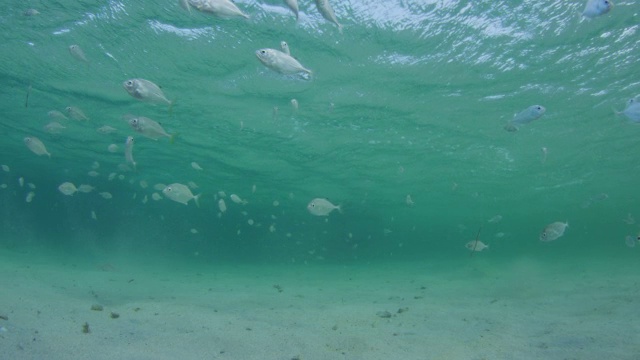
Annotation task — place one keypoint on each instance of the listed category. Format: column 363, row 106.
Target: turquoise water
column 401, row 124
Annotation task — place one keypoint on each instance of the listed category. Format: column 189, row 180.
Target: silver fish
column 476, row 245
column 327, row 12
column 632, row 111
column 293, row 5
column 84, row 188
column 222, row 8
column 128, row 151
column 145, row 90
column 67, row 188
column 595, row 8
column 526, row 116
column 77, row 53
column 106, row 130
column 57, row 115
column 322, row 207
column 180, row 193
column 553, row 231
column 53, row 127
column 285, row 47
column 76, row 114
column 148, row 128
column 36, row 146
column 280, row 62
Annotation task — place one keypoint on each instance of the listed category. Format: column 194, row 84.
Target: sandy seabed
column 469, row 308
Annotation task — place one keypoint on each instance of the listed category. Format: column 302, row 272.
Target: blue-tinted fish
column 595, row 8
column 526, row 116
column 632, row 111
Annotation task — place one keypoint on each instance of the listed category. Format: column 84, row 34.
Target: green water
column 410, row 99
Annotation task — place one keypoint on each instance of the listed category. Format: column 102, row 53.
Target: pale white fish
column 193, row 231
column 106, row 130
column 145, row 199
column 53, row 127
column 222, row 194
column 128, row 151
column 30, row 196
column 93, row 215
column 31, row 12
column 76, row 114
column 6, row 168
column 196, row 166
column 57, row 115
column 526, row 116
column 222, row 205
column 253, row 188
column 31, row 185
column 106, row 195
column 595, row 8
column 77, row 53
column 113, row 148
column 3, row 186
column 275, row 203
column 192, row 185
column 185, row 5
column 496, row 219
column 285, row 47
column 148, row 127
column 159, row 186
column 112, row 176
column 278, row 61
column 84, row 188
column 145, row 90
column 180, row 193
column 294, row 104
column 322, row 207
column 553, row 231
column 121, row 177
column 21, row 181
column 293, row 5
column 155, row 196
column 93, row 173
column 632, row 111
column 222, row 8
column 237, row 199
column 67, row 188
column 272, row 228
column 409, row 201
column 476, row 245
column 36, row 146
column 123, row 168
column 95, row 165
column 327, row 12
column 143, row 184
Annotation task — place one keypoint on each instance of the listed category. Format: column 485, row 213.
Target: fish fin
column 339, row 207
column 171, row 103
column 196, row 199
column 172, row 138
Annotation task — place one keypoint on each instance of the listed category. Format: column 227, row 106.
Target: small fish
column 77, row 53
column 112, row 148
column 237, row 199
column 196, row 166
column 180, row 193
column 159, row 186
column 222, row 8
column 476, row 245
column 222, row 205
column 95, row 165
column 526, row 116
column 93, row 173
column 145, row 90
column 148, row 128
column 595, row 8
column 31, row 12
column 67, row 188
column 155, row 196
column 53, row 127
column 281, row 62
column 496, row 219
column 327, row 12
column 84, row 188
column 21, row 181
column 36, row 146
column 57, row 115
column 106, row 195
column 93, row 215
column 30, row 196
column 294, row 104
column 630, row 241
column 285, row 47
column 31, row 185
column 128, row 151
column 106, row 130
column 143, row 184
column 192, row 185
column 6, row 168
column 194, row 231
column 409, row 201
column 322, row 207
column 76, row 114
column 553, row 231
column 632, row 111
column 293, row 5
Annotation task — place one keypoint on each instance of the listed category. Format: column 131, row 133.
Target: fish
column 632, row 111
column 221, row 8
column 93, row 173
column 36, row 146
column 53, row 127
column 180, row 193
column 630, row 241
column 285, row 47
column 21, row 181
column 106, row 195
column 77, row 53
column 67, row 188
column 76, row 114
column 293, row 5
column 31, row 12
column 476, row 245
column 57, row 115
column 159, row 186
column 553, row 231
column 496, row 219
column 95, row 165
column 84, row 188
column 145, row 90
column 112, row 148
column 327, row 12
column 526, row 116
column 222, row 205
column 148, row 128
column 322, row 207
column 6, row 168
column 195, row 166
column 280, row 62
column 155, row 196
column 93, row 215
column 31, row 185
column 237, row 199
column 192, row 185
column 595, row 8
column 128, row 151
column 294, row 104
column 30, row 196
column 106, row 130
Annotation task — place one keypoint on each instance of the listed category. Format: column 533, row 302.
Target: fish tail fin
column 197, row 199
column 171, row 104
column 339, row 207
column 172, row 138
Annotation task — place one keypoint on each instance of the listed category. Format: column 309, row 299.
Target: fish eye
column 27, row 139
column 263, row 52
column 129, row 82
column 169, row 188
